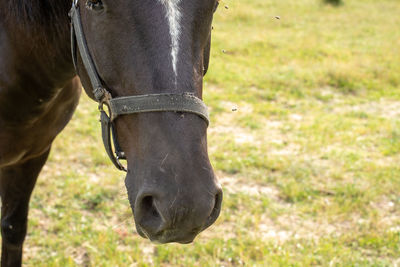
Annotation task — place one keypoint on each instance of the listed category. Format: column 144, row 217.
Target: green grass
column 309, row 162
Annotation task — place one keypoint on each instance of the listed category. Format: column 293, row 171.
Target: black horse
column 122, row 49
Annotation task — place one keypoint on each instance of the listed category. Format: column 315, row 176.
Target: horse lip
column 188, row 241
column 170, row 236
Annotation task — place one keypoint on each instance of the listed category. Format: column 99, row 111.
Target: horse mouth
column 169, row 236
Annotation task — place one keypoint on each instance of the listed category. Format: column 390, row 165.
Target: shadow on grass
column 333, row 2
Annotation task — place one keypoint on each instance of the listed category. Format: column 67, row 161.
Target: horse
column 143, row 62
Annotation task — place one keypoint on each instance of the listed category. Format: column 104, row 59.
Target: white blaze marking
column 174, row 16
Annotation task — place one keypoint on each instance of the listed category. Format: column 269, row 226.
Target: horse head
column 156, row 47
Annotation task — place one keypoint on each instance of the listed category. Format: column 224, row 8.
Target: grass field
column 309, row 162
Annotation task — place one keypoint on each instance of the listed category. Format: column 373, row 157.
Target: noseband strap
column 158, row 102
column 185, row 102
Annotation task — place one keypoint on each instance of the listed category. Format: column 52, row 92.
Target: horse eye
column 95, row 5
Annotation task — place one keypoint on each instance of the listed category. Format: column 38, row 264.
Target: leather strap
column 105, row 133
column 157, row 103
column 77, row 29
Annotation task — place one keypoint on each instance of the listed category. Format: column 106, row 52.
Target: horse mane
column 45, row 19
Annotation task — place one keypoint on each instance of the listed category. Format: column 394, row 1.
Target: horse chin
column 169, row 236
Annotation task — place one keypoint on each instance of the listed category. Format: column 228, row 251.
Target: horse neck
column 39, row 32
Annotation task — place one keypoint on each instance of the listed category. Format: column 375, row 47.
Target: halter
column 185, row 102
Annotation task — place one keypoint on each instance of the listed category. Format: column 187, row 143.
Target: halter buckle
column 104, row 97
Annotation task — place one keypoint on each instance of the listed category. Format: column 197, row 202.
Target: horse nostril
column 148, row 215
column 149, row 206
column 216, row 210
